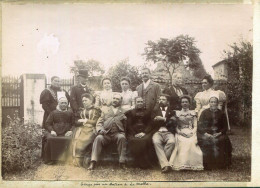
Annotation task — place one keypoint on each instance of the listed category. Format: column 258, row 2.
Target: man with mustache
column 111, row 127
column 148, row 90
column 163, row 139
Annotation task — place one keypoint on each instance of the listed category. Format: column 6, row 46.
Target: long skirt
column 186, row 155
column 142, row 150
column 83, row 138
column 216, row 152
column 56, row 148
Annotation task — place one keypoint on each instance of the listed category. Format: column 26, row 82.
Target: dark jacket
column 75, row 95
column 169, row 123
column 138, row 121
column 150, row 95
column 174, row 99
column 60, row 122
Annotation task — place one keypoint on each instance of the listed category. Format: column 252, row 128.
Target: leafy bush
column 21, row 145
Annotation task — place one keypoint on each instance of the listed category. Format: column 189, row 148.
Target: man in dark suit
column 163, row 139
column 77, row 91
column 148, row 90
column 175, row 91
column 111, row 127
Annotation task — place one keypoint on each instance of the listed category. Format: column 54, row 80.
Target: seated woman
column 212, row 138
column 128, row 95
column 104, row 97
column 59, row 126
column 139, row 134
column 186, row 154
column 85, row 131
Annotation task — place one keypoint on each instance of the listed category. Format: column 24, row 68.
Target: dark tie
column 163, row 108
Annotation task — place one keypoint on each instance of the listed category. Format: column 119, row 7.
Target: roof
column 219, row 63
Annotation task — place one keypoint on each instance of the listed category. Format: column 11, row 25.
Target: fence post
column 33, row 85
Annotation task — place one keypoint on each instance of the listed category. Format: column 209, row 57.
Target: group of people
column 148, row 124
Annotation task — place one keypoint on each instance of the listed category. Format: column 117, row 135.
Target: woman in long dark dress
column 139, row 134
column 212, row 138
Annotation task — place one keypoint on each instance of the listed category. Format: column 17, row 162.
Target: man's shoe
column 166, row 169
column 122, row 166
column 92, row 165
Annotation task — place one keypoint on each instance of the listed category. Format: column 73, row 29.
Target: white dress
column 186, row 155
column 128, row 101
column 202, row 99
column 104, row 98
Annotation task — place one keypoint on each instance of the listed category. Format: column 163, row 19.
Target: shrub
column 21, row 145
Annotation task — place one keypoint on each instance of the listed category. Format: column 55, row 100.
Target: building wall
column 220, row 72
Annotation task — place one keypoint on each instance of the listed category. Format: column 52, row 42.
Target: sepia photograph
column 126, row 94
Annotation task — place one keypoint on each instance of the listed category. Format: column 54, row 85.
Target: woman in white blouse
column 202, row 98
column 104, row 97
column 127, row 94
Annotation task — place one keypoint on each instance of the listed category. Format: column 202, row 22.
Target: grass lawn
column 240, row 169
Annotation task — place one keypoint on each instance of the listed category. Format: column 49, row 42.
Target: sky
column 42, row 38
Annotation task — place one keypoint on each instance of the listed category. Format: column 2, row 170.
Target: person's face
column 163, row 101
column 145, row 75
column 185, row 103
column 125, row 85
column 107, row 84
column 86, row 102
column 55, row 82
column 139, row 103
column 177, row 80
column 205, row 84
column 63, row 104
column 116, row 100
column 213, row 103
column 82, row 80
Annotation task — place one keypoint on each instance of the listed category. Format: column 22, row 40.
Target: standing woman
column 202, row 98
column 212, row 138
column 128, row 95
column 186, row 154
column 104, row 98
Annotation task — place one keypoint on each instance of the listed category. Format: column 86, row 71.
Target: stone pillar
column 33, row 85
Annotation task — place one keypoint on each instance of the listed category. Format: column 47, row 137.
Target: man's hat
column 83, row 73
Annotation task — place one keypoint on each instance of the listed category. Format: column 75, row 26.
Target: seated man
column 85, row 132
column 111, row 127
column 163, row 139
column 59, row 125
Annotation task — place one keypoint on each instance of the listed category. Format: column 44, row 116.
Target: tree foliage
column 94, row 67
column 173, row 53
column 239, row 59
column 122, row 69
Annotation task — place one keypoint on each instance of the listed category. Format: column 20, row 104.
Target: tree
column 173, row 53
column 239, row 59
column 122, row 69
column 94, row 67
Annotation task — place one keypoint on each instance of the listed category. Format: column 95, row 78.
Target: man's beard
column 162, row 105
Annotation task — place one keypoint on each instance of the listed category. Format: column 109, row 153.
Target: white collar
column 166, row 107
column 83, row 85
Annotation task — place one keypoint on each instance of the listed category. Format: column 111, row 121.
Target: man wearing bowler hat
column 78, row 90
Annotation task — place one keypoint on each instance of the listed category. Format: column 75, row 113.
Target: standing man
column 163, row 139
column 49, row 97
column 148, row 90
column 77, row 91
column 111, row 127
column 175, row 91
